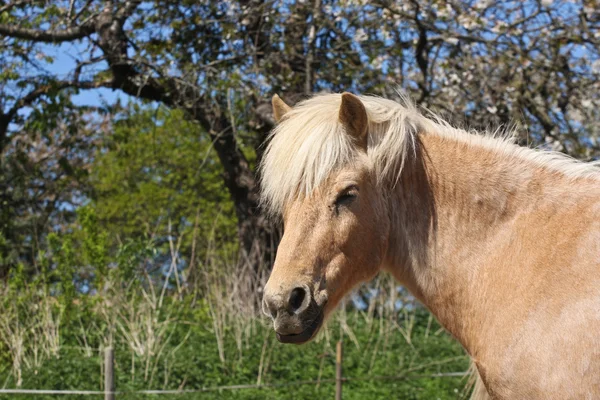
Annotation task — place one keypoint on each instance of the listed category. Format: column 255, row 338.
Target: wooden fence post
column 339, row 354
column 109, row 374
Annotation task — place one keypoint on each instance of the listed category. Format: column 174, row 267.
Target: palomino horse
column 501, row 243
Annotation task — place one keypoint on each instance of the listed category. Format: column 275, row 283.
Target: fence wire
column 228, row 387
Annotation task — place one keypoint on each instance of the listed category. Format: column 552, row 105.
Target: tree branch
column 51, row 36
column 422, row 55
column 310, row 47
column 128, row 8
column 32, row 96
column 10, row 6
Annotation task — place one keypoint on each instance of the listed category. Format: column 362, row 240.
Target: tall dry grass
column 141, row 313
column 29, row 330
column 233, row 294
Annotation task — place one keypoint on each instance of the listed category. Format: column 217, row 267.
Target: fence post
column 338, row 370
column 109, row 374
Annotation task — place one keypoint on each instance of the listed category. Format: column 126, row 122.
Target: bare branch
column 10, row 6
column 124, row 12
column 70, row 12
column 310, row 51
column 80, row 65
column 32, row 96
column 85, row 7
column 50, row 36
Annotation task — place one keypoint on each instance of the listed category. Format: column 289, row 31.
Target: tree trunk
column 258, row 237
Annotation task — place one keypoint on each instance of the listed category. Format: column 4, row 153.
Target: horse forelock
column 310, row 143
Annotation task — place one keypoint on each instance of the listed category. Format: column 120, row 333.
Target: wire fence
column 111, row 394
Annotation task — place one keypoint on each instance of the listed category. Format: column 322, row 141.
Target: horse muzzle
column 296, row 315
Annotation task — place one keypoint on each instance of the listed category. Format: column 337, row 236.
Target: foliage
column 482, row 63
column 158, row 178
column 189, row 359
column 492, row 61
column 196, row 365
column 43, row 178
column 53, row 332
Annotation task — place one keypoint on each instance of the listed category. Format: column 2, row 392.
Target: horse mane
column 309, row 143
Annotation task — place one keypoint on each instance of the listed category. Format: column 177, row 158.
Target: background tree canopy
column 157, row 179
column 532, row 64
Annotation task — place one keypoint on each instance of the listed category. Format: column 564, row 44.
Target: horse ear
column 353, row 116
column 279, row 108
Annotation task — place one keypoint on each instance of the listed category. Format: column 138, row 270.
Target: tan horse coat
column 514, row 268
column 501, row 243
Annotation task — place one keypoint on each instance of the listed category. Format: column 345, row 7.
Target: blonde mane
column 309, row 143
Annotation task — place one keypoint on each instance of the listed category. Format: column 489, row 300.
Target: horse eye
column 345, row 199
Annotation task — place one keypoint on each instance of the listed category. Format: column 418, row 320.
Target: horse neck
column 455, row 203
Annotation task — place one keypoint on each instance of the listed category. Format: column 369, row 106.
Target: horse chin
column 306, row 335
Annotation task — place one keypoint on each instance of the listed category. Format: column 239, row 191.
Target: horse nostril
column 297, row 298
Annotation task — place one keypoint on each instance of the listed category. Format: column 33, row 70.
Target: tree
column 532, row 63
column 103, row 25
column 158, row 179
column 43, row 179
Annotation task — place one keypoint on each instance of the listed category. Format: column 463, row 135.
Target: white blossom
column 360, row 35
column 492, row 109
column 481, row 4
column 454, row 78
column 575, row 115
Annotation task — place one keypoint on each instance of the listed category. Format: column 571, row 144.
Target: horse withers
column 501, row 243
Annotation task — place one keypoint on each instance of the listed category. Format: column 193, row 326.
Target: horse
column 500, row 242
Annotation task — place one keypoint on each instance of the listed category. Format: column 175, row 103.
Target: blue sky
column 65, row 60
